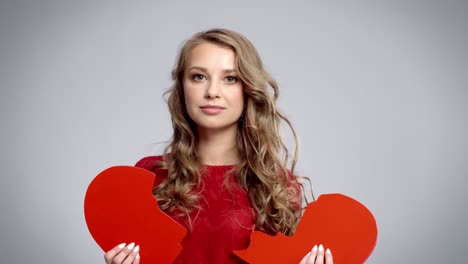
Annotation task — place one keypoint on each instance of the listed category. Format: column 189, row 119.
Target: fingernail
column 122, row 245
column 321, row 248
column 137, row 248
column 130, row 247
column 314, row 248
column 328, row 251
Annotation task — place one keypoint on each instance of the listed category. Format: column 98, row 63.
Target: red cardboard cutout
column 336, row 221
column 119, row 208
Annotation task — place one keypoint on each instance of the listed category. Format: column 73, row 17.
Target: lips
column 212, row 109
column 212, row 106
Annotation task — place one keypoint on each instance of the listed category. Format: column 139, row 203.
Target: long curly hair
column 263, row 171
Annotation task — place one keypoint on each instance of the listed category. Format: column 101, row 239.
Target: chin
column 216, row 126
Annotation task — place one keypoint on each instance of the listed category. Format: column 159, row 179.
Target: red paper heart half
column 119, row 208
column 336, row 221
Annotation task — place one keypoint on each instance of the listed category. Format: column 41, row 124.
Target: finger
column 310, row 257
column 132, row 256
column 305, row 258
column 119, row 259
column 328, row 257
column 109, row 256
column 320, row 255
column 137, row 259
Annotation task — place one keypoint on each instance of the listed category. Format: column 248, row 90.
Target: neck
column 218, row 147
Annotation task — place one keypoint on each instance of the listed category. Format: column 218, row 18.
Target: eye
column 198, row 77
column 231, row 79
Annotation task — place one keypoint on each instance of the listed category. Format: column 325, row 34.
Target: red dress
column 223, row 224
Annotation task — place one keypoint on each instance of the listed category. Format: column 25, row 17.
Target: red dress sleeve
column 149, row 164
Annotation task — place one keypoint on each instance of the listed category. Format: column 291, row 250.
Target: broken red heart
column 119, row 207
column 338, row 222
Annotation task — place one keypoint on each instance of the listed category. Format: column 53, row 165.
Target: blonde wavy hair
column 263, row 168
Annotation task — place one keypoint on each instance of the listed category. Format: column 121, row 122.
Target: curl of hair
column 263, row 168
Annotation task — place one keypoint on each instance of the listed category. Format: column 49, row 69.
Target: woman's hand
column 122, row 254
column 318, row 256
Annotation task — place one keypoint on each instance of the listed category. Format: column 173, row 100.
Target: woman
column 225, row 172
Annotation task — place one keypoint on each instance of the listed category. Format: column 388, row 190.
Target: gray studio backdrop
column 377, row 91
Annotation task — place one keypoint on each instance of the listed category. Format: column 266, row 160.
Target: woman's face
column 213, row 91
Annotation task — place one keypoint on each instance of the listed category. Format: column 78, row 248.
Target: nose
column 212, row 90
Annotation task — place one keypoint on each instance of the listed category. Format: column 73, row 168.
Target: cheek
column 240, row 95
column 237, row 99
column 189, row 104
column 189, row 95
column 193, row 98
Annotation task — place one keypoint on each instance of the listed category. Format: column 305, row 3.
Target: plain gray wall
column 377, row 91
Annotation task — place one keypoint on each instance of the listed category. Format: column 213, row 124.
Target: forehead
column 211, row 56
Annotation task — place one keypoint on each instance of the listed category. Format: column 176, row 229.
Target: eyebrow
column 206, row 70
